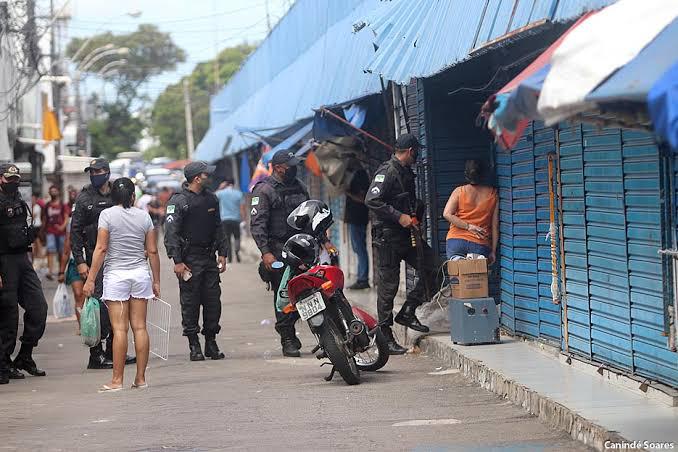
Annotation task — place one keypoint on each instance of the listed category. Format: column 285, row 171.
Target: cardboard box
column 468, row 278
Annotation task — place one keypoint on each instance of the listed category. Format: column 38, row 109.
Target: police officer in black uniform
column 19, row 284
column 274, row 198
column 392, row 198
column 193, row 234
column 91, row 201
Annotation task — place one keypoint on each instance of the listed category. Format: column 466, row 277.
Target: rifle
column 416, row 237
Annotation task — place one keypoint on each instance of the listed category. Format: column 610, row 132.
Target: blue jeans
column 358, row 234
column 55, row 243
column 461, row 247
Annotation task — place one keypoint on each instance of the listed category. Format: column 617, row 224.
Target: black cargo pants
column 392, row 248
column 201, row 290
column 21, row 287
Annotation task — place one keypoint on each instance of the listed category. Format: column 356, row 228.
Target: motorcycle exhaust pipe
column 356, row 327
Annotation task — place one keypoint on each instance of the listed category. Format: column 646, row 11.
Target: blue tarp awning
column 633, row 81
column 294, row 138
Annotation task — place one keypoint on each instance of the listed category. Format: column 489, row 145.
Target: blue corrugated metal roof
column 420, row 38
column 328, row 72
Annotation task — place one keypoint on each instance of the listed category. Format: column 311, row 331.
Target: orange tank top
column 474, row 212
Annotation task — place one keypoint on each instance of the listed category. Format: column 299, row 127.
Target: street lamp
column 111, row 65
column 122, row 51
column 93, row 53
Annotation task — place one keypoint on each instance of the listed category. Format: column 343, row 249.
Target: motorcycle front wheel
column 335, row 348
column 376, row 356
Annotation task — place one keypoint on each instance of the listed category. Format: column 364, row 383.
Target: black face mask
column 290, row 175
column 98, row 180
column 10, row 187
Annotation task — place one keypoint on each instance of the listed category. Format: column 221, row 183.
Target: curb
column 549, row 412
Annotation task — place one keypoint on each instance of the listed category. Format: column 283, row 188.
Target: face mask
column 10, row 187
column 290, row 175
column 98, row 180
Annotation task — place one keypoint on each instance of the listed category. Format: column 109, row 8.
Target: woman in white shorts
column 125, row 237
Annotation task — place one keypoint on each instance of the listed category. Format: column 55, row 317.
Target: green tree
column 151, row 52
column 116, row 131
column 167, row 118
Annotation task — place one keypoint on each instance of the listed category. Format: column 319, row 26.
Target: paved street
column 255, row 399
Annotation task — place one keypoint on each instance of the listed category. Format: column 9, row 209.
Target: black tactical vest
column 199, row 221
column 14, row 230
column 286, row 199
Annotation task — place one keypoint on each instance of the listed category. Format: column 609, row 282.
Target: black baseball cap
column 194, row 168
column 285, row 157
column 407, row 141
column 98, row 164
column 9, row 170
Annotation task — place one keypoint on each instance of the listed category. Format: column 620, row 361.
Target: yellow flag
column 50, row 127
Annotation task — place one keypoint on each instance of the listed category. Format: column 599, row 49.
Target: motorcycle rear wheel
column 334, row 347
column 367, row 361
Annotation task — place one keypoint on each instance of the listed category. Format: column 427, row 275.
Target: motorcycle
column 347, row 335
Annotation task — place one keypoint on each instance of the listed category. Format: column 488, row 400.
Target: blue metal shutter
column 549, row 313
column 503, row 166
column 570, row 151
column 642, row 185
column 608, row 285
column 525, row 289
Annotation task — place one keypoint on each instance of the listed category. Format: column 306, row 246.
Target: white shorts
column 121, row 285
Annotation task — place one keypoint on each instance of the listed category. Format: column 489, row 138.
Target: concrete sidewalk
column 592, row 408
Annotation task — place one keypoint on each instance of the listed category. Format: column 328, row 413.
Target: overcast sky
column 200, row 27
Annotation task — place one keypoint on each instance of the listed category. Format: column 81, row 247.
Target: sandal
column 106, row 388
column 141, row 386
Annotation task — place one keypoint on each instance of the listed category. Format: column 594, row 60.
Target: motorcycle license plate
column 310, row 306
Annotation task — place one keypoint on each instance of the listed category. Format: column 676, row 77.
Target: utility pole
column 189, row 120
column 56, row 94
column 216, row 49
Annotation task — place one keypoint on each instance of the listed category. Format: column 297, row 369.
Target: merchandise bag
column 62, row 303
column 282, row 299
column 90, row 323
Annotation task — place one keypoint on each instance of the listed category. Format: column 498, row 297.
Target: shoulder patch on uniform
column 170, row 208
column 255, row 201
column 254, row 211
column 379, row 178
column 375, row 190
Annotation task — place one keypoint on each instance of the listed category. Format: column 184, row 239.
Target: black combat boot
column 289, row 348
column 393, row 347
column 212, row 349
column 128, row 359
column 24, row 361
column 14, row 373
column 407, row 318
column 194, row 346
column 99, row 361
column 4, row 376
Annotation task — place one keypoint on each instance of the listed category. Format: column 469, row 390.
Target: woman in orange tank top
column 473, row 215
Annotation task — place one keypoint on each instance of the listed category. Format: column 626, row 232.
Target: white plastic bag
column 63, row 305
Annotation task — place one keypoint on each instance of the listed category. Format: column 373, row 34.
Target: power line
column 188, row 19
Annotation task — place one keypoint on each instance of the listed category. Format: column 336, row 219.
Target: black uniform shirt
column 391, row 194
column 85, row 222
column 13, row 223
column 193, row 220
column 272, row 202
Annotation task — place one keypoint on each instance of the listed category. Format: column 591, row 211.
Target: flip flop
column 106, row 388
column 141, row 386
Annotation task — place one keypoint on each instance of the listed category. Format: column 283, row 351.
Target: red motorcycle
column 348, row 336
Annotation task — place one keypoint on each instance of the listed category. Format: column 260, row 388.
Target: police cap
column 10, row 170
column 284, row 157
column 194, row 168
column 98, row 164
